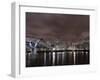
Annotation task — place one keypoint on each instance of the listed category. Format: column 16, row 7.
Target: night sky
column 65, row 27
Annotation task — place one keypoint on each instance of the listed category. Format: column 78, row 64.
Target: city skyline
column 57, row 39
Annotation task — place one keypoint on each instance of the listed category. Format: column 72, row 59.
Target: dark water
column 57, row 58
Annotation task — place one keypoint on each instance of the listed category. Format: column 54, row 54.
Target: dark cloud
column 69, row 28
